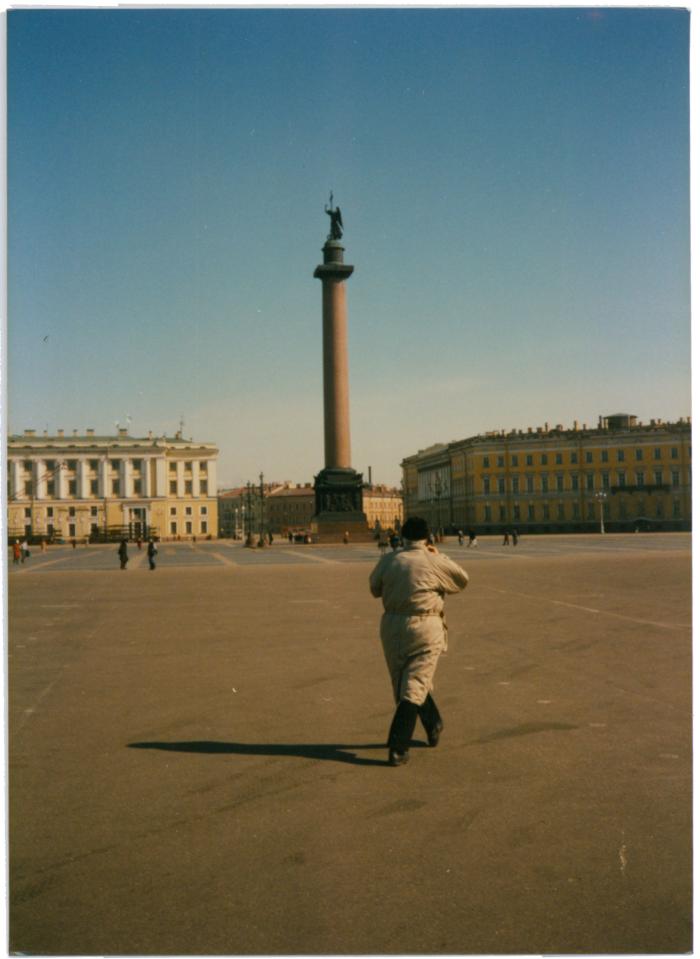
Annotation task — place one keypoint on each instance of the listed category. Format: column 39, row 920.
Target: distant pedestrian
column 269, row 537
column 290, row 536
column 460, row 537
column 515, row 537
column 16, row 552
column 383, row 542
column 152, row 550
column 346, row 537
column 44, row 547
column 506, row 537
column 123, row 554
column 138, row 543
column 25, row 550
column 395, row 541
column 473, row 542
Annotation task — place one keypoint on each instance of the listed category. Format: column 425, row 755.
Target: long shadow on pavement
column 338, row 752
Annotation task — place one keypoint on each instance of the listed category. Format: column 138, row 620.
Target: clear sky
column 514, row 186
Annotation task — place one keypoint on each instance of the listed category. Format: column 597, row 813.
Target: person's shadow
column 337, row 752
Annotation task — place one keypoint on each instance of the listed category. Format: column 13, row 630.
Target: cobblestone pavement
column 197, row 760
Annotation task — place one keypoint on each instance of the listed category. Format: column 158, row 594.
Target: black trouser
column 404, row 722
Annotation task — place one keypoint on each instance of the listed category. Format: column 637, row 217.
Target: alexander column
column 338, row 487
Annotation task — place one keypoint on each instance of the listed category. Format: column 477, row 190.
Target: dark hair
column 415, row 528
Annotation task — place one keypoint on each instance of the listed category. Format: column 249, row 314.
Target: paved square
column 197, row 759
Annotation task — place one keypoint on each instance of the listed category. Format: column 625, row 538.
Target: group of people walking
column 123, row 553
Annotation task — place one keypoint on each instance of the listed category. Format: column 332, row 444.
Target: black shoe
column 434, row 735
column 397, row 758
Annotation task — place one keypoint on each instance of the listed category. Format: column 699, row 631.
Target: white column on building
column 180, row 478
column 126, row 481
column 60, row 481
column 83, row 485
column 195, row 477
column 40, row 479
column 103, row 478
column 16, row 487
column 161, row 477
column 146, row 476
column 211, row 478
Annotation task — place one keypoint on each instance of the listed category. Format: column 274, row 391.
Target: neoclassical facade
column 80, row 486
column 628, row 474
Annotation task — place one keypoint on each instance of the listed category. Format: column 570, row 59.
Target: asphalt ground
column 197, row 760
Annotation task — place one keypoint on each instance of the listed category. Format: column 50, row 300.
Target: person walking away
column 394, row 541
column 16, row 552
column 24, row 547
column 346, row 537
column 506, row 537
column 412, row 584
column 123, row 554
column 460, row 537
column 472, row 538
column 152, row 550
column 516, row 534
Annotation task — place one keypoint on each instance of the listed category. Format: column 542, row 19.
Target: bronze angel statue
column 336, row 221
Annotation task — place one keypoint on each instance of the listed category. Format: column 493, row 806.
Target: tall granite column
column 338, row 487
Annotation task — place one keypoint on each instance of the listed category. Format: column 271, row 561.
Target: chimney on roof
column 576, row 425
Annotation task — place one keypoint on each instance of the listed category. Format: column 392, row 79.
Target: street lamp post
column 261, row 540
column 601, row 497
column 438, row 494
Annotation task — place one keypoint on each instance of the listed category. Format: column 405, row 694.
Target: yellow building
column 383, row 507
column 637, row 475
column 63, row 487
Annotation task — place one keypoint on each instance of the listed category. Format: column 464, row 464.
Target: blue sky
column 515, row 191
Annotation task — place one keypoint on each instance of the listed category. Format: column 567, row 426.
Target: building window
column 137, row 487
column 606, row 480
column 114, row 464
column 574, row 482
column 658, row 477
column 28, row 488
column 516, row 511
column 516, row 484
column 545, row 484
column 93, row 511
column 514, row 460
column 528, row 459
column 560, row 511
column 173, row 487
column 203, row 510
column 49, row 512
column 93, row 487
column 659, row 509
column 574, row 458
column 188, row 527
column 623, row 509
column 621, row 478
column 94, row 465
column 173, row 528
column 530, row 481
column 545, row 511
column 675, row 478
column 589, row 456
column 51, row 488
column 501, row 512
column 173, row 510
column 501, row 484
column 188, row 487
column 28, row 512
column 560, row 484
column 620, row 456
column 71, row 530
column 590, row 510
column 487, row 486
column 604, row 456
column 575, row 510
column 501, row 461
column 115, row 487
column 676, row 509
column 543, row 459
column 639, row 454
column 28, row 465
column 674, row 452
column 486, row 463
column 72, row 487
column 487, row 514
column 72, row 465
column 203, row 487
column 188, row 511
column 640, row 479
column 657, row 453
column 530, row 511
column 589, row 481
column 71, row 510
column 559, row 458
column 203, row 526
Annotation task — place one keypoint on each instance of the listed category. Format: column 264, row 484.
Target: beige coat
column 412, row 583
